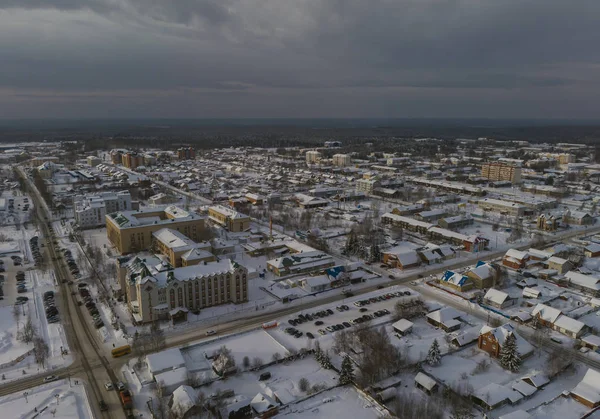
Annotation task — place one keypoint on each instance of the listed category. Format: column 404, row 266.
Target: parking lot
column 374, row 308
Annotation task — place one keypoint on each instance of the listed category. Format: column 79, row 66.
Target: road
column 90, row 363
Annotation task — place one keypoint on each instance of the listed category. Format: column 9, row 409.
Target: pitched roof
column 589, row 387
column 496, row 296
column 546, row 313
column 424, row 380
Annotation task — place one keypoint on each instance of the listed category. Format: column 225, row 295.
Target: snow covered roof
column 557, row 260
column 569, row 324
column 184, row 398
column 546, row 313
column 494, row 394
column 496, row 296
column 162, row 361
column 587, row 281
column 517, row 414
column 516, row 254
column 408, row 258
column 262, row 403
column 531, row 292
column 483, row 270
column 403, row 325
column 589, row 387
column 537, row 379
column 172, row 377
column 593, row 247
column 315, row 281
column 454, row 278
column 591, row 340
column 444, row 315
column 466, row 336
column 502, row 332
column 425, row 381
column 524, row 388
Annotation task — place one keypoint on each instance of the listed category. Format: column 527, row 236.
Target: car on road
column 211, row 332
column 120, row 386
column 50, row 378
column 103, row 406
column 108, row 386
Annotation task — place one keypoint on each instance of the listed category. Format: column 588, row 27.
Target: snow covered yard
column 415, row 345
column 254, row 344
column 341, row 402
column 53, row 400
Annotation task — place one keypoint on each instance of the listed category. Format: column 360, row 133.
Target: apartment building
column 312, row 156
column 367, row 185
column 180, row 250
column 341, row 160
column 132, row 160
column 154, row 293
column 90, row 210
column 186, row 153
column 93, row 161
column 502, row 207
column 131, row 231
column 497, row 171
column 229, row 218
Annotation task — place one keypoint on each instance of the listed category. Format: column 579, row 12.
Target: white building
column 90, row 210
column 342, row 160
column 312, row 156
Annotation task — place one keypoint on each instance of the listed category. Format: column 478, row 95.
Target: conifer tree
column 434, row 356
column 509, row 354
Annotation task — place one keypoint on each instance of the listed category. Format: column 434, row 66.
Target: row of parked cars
column 379, row 298
column 89, row 303
column 34, row 243
column 21, row 287
column 303, row 318
column 50, row 307
column 73, row 268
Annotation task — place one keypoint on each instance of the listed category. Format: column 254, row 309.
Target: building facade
column 229, row 218
column 497, row 171
column 156, row 295
column 186, row 153
column 180, row 250
column 312, row 156
column 131, row 231
column 341, row 160
column 90, row 210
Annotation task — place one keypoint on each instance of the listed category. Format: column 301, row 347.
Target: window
column 180, row 296
column 172, row 298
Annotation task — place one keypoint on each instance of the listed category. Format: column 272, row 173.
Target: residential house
column 308, row 202
column 515, row 259
column 561, row 265
column 578, row 218
column 456, row 281
column 183, row 403
column 493, row 396
column 483, row 275
column 589, row 284
column 401, row 258
column 591, row 341
column 587, row 392
column 426, row 383
column 264, row 406
column 445, row 318
column 403, row 327
column 546, row 315
column 570, row 327
column 498, row 299
column 491, row 340
column 456, row 222
column 592, row 250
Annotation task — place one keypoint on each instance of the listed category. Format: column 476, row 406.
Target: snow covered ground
column 52, row 400
column 342, row 402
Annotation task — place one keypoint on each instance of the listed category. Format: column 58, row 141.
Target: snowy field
column 53, row 400
column 343, row 402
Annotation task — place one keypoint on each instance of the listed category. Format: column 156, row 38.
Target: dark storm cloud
column 384, row 54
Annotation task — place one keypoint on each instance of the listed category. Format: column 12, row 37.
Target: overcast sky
column 299, row 58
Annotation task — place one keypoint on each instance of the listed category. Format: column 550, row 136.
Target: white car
column 210, row 333
column 108, row 386
column 50, row 378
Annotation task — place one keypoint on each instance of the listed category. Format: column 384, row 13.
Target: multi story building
column 367, row 185
column 186, row 153
column 131, row 231
column 90, row 210
column 502, row 207
column 341, row 160
column 497, row 171
column 155, row 292
column 131, row 160
column 229, row 218
column 180, row 250
column 312, row 156
column 93, row 161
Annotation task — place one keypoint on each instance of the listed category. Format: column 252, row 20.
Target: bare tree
column 160, row 407
column 257, row 362
column 16, row 312
column 40, row 351
column 29, row 332
column 303, row 384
